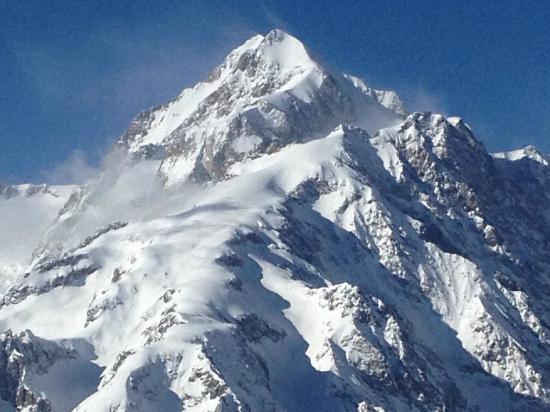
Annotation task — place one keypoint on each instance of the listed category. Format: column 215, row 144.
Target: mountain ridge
column 283, row 237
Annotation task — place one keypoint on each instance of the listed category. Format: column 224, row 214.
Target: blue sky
column 74, row 73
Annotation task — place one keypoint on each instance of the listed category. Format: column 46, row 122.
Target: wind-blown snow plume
column 284, row 237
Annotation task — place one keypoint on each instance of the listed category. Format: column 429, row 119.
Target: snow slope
column 26, row 211
column 528, row 152
column 282, row 237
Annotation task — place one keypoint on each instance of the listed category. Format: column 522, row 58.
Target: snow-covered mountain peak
column 286, row 51
column 281, row 238
column 529, row 152
column 387, row 98
column 438, row 134
column 266, row 94
column 278, row 53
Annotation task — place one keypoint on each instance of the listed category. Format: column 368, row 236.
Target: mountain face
column 26, row 212
column 281, row 237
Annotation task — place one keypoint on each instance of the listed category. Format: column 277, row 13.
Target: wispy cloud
column 272, row 17
column 422, row 100
column 85, row 95
column 75, row 169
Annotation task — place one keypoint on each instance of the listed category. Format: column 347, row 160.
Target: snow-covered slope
column 26, row 211
column 528, row 152
column 266, row 94
column 282, row 237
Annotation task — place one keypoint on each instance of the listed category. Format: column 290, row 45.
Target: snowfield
column 282, row 238
column 26, row 213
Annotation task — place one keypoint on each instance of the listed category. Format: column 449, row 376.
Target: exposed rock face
column 7, row 191
column 21, row 357
column 16, row 355
column 282, row 237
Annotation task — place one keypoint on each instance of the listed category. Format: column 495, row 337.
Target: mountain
column 26, row 213
column 282, row 237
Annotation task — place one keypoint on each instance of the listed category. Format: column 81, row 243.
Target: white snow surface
column 518, row 154
column 24, row 217
column 300, row 244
